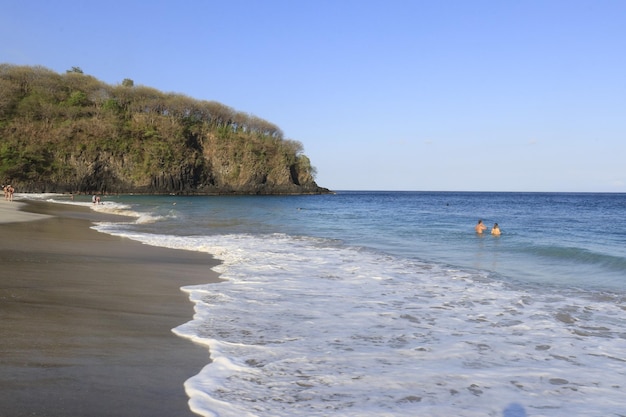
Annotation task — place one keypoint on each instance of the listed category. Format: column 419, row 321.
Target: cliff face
column 73, row 133
column 200, row 173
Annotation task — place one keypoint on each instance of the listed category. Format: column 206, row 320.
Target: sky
column 445, row 95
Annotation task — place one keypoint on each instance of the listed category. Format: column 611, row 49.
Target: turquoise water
column 553, row 239
column 388, row 303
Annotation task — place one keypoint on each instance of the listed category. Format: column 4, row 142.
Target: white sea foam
column 108, row 207
column 308, row 327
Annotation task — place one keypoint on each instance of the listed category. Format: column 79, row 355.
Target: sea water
column 389, row 304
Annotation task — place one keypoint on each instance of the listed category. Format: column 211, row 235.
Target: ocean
column 389, row 304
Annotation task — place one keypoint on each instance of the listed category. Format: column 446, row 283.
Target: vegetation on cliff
column 73, row 133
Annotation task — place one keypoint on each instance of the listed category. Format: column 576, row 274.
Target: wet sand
column 86, row 318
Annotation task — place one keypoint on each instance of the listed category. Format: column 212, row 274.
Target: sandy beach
column 86, row 318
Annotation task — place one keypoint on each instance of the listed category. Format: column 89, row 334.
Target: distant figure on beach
column 495, row 230
column 8, row 192
column 93, row 199
column 480, row 227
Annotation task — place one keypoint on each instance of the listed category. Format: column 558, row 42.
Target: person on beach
column 8, row 194
column 495, row 230
column 480, row 227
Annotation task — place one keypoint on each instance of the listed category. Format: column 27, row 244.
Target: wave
column 310, row 327
column 579, row 256
column 107, row 207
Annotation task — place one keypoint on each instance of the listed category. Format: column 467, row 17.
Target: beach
column 86, row 317
column 359, row 304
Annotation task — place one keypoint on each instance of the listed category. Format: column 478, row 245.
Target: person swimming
column 480, row 227
column 495, row 230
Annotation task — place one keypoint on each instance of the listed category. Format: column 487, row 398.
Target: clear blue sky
column 384, row 95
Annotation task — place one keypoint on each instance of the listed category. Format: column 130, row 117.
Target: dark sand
column 86, row 319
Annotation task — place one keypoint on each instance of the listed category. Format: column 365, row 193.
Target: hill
column 73, row 133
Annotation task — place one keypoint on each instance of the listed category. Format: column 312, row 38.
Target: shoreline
column 10, row 212
column 87, row 318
